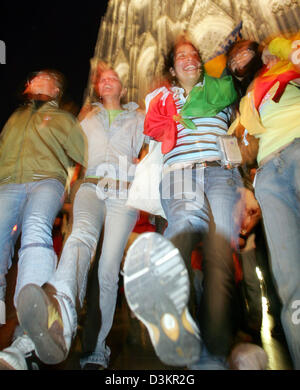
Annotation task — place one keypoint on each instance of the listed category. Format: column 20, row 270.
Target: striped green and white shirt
column 199, row 144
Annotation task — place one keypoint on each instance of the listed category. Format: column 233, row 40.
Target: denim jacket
column 113, row 147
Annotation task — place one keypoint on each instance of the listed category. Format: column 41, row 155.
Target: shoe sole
column 156, row 286
column 32, row 310
column 4, row 366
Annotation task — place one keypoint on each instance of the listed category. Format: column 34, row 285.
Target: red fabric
column 143, row 225
column 57, row 242
column 160, row 123
column 263, row 84
column 238, row 268
column 196, row 258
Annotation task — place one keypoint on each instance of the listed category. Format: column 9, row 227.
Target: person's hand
column 251, row 213
column 247, row 212
column 268, row 58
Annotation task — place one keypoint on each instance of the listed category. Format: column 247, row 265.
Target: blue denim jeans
column 209, row 362
column 90, row 215
column 194, row 211
column 277, row 190
column 30, row 208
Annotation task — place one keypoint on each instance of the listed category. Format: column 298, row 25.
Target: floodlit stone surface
column 135, row 34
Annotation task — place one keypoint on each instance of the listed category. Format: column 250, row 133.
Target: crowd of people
column 227, row 159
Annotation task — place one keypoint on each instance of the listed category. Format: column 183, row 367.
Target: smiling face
column 109, row 85
column 187, row 65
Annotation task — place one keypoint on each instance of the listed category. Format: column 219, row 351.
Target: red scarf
column 204, row 100
column 159, row 122
column 267, row 78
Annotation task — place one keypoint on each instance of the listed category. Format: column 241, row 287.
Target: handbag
column 144, row 191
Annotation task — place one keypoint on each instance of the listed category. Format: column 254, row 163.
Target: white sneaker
column 14, row 357
column 156, row 285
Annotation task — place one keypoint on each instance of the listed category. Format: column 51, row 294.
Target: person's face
column 239, row 59
column 109, row 85
column 187, row 64
column 42, row 84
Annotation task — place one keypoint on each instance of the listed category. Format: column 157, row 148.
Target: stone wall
column 134, row 35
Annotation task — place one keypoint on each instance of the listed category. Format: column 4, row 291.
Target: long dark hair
column 250, row 70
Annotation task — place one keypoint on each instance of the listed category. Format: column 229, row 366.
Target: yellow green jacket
column 40, row 143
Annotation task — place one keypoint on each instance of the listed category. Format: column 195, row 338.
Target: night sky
column 52, row 34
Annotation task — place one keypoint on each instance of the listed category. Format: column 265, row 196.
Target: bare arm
column 144, row 151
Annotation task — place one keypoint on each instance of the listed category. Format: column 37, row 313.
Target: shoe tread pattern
column 156, row 282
